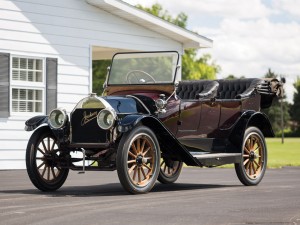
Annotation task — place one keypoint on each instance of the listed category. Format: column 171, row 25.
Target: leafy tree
column 193, row 67
column 274, row 112
column 157, row 10
column 99, row 74
column 232, row 77
column 295, row 108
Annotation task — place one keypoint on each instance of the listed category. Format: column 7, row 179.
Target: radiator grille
column 84, row 127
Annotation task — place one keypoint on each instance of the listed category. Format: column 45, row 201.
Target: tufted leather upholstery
column 197, row 89
column 238, row 88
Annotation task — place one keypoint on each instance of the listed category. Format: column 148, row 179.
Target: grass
column 280, row 155
column 286, row 154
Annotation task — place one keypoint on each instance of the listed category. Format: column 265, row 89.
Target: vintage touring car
column 146, row 125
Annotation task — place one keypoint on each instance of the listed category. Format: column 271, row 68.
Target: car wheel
column 169, row 171
column 138, row 160
column 41, row 154
column 252, row 167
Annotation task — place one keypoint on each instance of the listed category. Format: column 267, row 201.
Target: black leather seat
column 238, row 88
column 195, row 89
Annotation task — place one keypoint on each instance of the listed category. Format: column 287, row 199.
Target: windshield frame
column 143, row 84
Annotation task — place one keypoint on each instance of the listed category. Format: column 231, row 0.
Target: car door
column 210, row 118
column 199, row 120
column 190, row 113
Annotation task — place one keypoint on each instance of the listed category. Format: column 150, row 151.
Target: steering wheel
column 139, row 76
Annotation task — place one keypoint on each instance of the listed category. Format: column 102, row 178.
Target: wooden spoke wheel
column 253, row 156
column 138, row 160
column 42, row 155
column 253, row 163
column 169, row 171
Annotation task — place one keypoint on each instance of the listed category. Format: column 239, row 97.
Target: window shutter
column 4, row 84
column 51, row 84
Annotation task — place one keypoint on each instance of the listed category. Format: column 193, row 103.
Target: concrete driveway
column 200, row 196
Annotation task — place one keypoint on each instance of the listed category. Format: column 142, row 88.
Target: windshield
column 143, row 68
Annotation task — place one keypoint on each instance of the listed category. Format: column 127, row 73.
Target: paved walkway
column 200, row 196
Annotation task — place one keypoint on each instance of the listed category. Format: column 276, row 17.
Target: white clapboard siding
column 65, row 30
column 83, row 11
column 97, row 25
column 6, row 145
column 69, row 79
column 12, row 153
column 76, row 12
column 94, row 36
column 72, row 89
column 72, row 61
column 6, row 164
column 43, row 15
column 14, row 134
column 48, row 49
column 73, row 70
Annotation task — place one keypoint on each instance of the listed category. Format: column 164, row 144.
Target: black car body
column 146, row 125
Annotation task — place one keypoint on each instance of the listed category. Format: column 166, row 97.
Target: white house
column 46, row 53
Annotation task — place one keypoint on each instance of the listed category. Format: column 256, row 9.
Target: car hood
column 121, row 104
column 125, row 104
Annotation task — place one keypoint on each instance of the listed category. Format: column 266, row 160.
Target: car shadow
column 114, row 189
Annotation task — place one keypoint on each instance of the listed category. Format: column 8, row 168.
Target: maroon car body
column 147, row 124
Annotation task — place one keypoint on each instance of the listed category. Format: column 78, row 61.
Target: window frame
column 29, row 85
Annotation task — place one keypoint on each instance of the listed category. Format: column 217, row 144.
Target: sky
column 249, row 36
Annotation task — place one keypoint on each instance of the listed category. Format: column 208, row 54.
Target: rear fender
column 250, row 119
column 35, row 122
column 169, row 144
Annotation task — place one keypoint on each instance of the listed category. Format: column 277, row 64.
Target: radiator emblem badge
column 88, row 117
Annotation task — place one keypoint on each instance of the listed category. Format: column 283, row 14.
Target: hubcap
column 139, row 160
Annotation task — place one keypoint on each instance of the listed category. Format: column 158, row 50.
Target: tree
column 193, row 67
column 274, row 112
column 99, row 74
column 157, row 10
column 295, row 108
column 232, row 77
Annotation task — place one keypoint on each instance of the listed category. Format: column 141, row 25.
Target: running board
column 216, row 159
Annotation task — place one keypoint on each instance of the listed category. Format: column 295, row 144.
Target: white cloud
column 249, row 48
column 258, row 40
column 247, row 41
column 290, row 6
column 221, row 8
column 224, row 8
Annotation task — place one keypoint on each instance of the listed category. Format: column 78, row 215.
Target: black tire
column 169, row 171
column 252, row 167
column 138, row 160
column 41, row 168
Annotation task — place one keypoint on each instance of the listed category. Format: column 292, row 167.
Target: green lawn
column 279, row 155
column 287, row 154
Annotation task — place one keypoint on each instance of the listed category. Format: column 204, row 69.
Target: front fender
column 169, row 144
column 249, row 119
column 35, row 122
column 130, row 121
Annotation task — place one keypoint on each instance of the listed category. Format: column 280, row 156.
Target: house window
column 27, row 85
